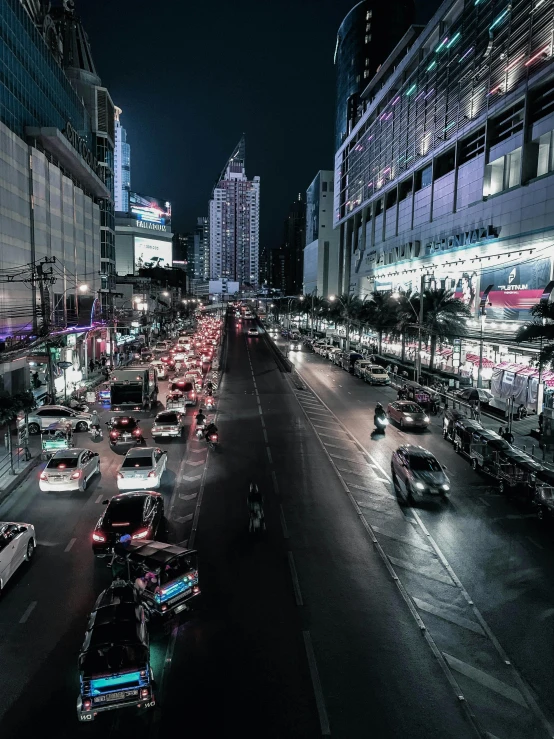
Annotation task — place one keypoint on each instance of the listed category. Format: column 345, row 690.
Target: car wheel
column 30, row 550
column 541, row 514
column 84, row 484
column 81, row 426
column 34, row 428
column 474, row 463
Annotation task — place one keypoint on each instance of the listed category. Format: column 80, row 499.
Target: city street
column 301, row 632
column 483, row 588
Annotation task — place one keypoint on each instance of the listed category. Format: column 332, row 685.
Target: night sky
column 191, row 77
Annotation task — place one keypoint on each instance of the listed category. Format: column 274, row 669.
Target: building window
column 324, row 186
column 503, row 173
column 545, row 163
column 423, row 177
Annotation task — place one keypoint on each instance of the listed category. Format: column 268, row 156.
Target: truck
column 133, row 388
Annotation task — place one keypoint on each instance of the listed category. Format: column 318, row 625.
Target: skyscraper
column 234, row 219
column 365, row 38
column 293, row 243
column 122, row 166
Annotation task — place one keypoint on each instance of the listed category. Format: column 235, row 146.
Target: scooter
column 96, row 433
column 213, row 441
column 257, row 520
column 381, row 423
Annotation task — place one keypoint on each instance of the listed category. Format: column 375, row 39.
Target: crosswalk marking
column 411, row 567
column 404, row 539
column 448, row 615
column 483, row 678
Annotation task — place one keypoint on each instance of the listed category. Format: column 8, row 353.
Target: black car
column 125, row 430
column 137, row 514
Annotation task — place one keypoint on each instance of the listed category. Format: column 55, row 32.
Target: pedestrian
column 35, row 378
column 103, row 360
column 388, row 368
column 541, row 421
column 508, row 436
column 91, row 365
column 395, row 369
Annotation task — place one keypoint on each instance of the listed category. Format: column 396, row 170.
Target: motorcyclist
column 95, row 420
column 200, row 418
column 255, row 503
column 380, row 415
column 209, row 388
column 211, row 428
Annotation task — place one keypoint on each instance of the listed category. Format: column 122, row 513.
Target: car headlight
column 419, row 485
column 446, row 487
column 426, row 419
column 408, row 418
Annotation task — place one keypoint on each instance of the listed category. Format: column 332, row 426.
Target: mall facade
column 446, row 179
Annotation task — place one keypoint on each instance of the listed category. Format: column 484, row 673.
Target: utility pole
column 43, row 278
column 419, row 325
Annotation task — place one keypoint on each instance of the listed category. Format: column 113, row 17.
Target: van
column 348, row 360
column 375, row 374
column 360, row 365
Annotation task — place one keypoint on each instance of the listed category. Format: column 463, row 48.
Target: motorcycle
column 257, row 520
column 199, row 433
column 210, row 403
column 381, row 423
column 76, row 405
column 213, row 440
column 96, row 433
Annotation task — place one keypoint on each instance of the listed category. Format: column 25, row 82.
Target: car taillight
column 114, row 434
column 86, row 705
column 137, row 432
column 213, row 437
column 43, row 476
column 98, row 537
column 144, row 693
column 76, row 475
column 141, row 534
column 152, row 473
column 120, row 475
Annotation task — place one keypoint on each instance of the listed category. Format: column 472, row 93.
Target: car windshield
column 130, row 462
column 424, row 463
column 410, row 408
column 167, row 418
column 124, row 424
column 122, row 511
column 184, row 387
column 62, row 463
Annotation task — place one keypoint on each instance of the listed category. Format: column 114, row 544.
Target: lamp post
column 482, row 318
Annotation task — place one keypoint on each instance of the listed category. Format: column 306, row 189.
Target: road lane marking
column 184, row 519
column 262, row 422
column 198, row 451
column 484, row 501
column 347, row 459
column 99, row 499
column 28, row 612
column 71, row 543
column 283, row 523
column 535, row 543
column 187, row 497
column 411, row 567
column 268, row 450
column 446, row 615
column 336, row 446
column 486, row 680
column 316, row 684
column 275, row 483
column 403, row 539
column 191, row 478
column 295, row 582
column 328, row 436
column 260, row 410
column 385, row 511
column 265, row 436
column 195, row 464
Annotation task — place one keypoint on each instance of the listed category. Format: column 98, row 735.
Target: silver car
column 17, row 545
column 408, row 414
column 417, row 474
column 69, row 469
column 142, row 469
column 49, row 414
column 168, row 423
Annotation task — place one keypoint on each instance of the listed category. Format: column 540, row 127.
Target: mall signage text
column 80, row 146
column 473, row 236
column 151, row 226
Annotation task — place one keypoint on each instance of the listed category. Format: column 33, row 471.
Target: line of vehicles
column 151, row 579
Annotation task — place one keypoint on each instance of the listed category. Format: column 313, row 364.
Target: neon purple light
column 389, row 116
column 386, row 170
column 382, row 118
column 369, row 139
column 396, row 100
column 421, row 94
column 429, row 93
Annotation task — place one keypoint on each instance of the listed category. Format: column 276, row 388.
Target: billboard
column 222, row 287
column 515, row 288
column 152, row 210
column 152, row 253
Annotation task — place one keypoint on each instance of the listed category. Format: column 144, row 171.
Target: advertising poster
column 151, row 210
column 152, row 253
column 515, row 289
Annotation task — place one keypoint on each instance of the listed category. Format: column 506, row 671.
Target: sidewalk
column 21, row 467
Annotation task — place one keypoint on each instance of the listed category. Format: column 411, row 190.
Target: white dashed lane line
column 28, row 611
column 71, row 543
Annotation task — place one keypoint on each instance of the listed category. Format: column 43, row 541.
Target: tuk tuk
column 167, row 575
column 55, row 437
column 543, row 495
column 420, row 395
column 451, row 415
column 484, row 451
column 114, row 661
column 517, row 473
column 464, row 430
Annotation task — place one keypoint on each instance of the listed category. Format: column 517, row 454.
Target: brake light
column 86, row 705
column 144, row 693
column 43, row 476
column 76, row 475
column 141, row 534
column 137, row 432
column 152, row 473
column 98, row 537
column 114, row 434
column 213, row 437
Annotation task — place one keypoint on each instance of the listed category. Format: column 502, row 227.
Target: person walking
column 91, row 365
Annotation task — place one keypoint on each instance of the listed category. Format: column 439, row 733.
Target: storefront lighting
column 546, row 50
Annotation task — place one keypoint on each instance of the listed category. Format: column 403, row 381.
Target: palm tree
column 542, row 328
column 380, row 313
column 345, row 309
column 444, row 316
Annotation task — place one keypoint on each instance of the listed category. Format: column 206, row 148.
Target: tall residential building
column 234, row 222
column 122, row 166
column 79, row 67
column 321, row 254
column 183, row 245
column 293, row 245
column 200, row 257
column 365, row 38
column 448, row 178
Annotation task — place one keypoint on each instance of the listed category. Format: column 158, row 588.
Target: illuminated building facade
column 447, row 174
column 122, row 166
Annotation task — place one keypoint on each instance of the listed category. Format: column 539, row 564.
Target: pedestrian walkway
column 15, row 467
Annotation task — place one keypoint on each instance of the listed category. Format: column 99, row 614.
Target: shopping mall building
column 446, row 177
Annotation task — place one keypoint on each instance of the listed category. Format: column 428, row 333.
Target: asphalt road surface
column 303, row 631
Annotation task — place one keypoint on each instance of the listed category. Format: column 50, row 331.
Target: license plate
column 179, row 597
column 116, row 696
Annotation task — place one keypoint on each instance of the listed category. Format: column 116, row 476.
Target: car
column 253, row 332
column 49, row 414
column 17, row 545
column 417, row 474
column 408, row 414
column 125, row 430
column 142, row 469
column 176, row 401
column 375, row 374
column 168, row 423
column 475, row 393
column 187, row 388
column 137, row 514
column 295, row 345
column 69, row 469
column 160, row 368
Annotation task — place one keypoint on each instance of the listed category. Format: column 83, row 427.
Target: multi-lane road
column 350, row 616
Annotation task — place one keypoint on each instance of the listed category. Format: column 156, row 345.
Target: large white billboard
column 152, row 253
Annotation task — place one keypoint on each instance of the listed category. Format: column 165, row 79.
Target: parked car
column 337, row 358
column 408, row 414
column 417, row 474
column 69, row 469
column 49, row 414
column 168, row 423
column 360, row 365
column 142, row 469
column 17, row 545
column 138, row 514
column 348, row 359
column 375, row 374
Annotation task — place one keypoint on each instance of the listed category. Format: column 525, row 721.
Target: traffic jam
column 152, row 579
column 416, row 473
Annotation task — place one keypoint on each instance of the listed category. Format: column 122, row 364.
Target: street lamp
column 482, row 318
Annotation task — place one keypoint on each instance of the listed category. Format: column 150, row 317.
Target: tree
column 541, row 328
column 10, row 406
column 380, row 312
column 344, row 310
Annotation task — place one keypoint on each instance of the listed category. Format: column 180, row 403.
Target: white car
column 161, row 370
column 17, row 545
column 253, row 332
column 168, row 423
column 142, row 469
column 69, row 469
column 48, row 414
